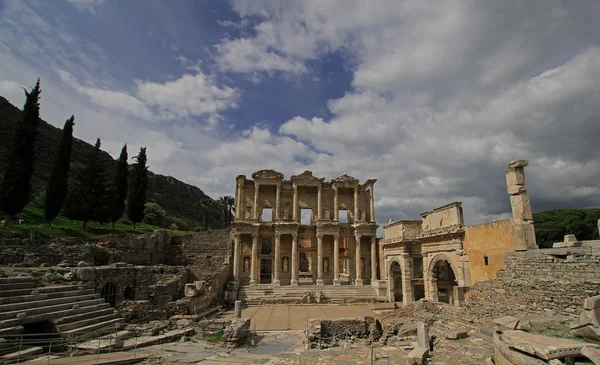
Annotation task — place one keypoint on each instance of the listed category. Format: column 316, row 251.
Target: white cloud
column 87, row 5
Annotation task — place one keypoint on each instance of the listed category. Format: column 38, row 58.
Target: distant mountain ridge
column 176, row 197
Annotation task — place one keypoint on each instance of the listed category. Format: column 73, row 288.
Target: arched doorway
column 396, row 282
column 129, row 293
column 109, row 293
column 445, row 280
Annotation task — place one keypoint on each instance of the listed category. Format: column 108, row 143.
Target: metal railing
column 54, row 345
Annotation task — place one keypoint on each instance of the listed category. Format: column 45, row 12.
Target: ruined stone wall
column 491, row 240
column 554, row 279
column 153, row 283
column 104, row 250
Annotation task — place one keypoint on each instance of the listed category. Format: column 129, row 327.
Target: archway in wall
column 396, row 280
column 445, row 277
column 109, row 293
column 129, row 293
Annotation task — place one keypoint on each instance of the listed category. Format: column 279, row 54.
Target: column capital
column 256, row 184
column 358, row 236
column 334, row 187
column 294, row 236
column 294, row 186
column 254, row 234
column 320, row 236
column 336, row 236
column 320, row 187
column 277, row 235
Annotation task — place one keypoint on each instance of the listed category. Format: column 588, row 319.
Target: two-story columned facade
column 304, row 230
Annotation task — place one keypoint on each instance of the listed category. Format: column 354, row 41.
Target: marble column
column 277, row 263
column 295, row 260
column 372, row 205
column 356, row 217
column 358, row 280
column 319, row 259
column 236, row 256
column 254, row 260
column 295, row 203
column 240, row 203
column 255, row 210
column 373, row 259
column 319, row 204
column 407, row 289
column 336, row 259
column 336, row 210
column 277, row 202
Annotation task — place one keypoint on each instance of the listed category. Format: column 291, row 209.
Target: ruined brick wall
column 554, row 279
column 143, row 282
column 491, row 240
column 104, row 250
column 206, row 253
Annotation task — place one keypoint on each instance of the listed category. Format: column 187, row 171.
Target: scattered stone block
column 524, row 325
column 238, row 309
column 183, row 322
column 508, row 322
column 423, row 335
column 237, row 332
column 417, row 356
column 457, row 334
column 190, row 290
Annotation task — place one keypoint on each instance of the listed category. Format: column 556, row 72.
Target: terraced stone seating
column 267, row 294
column 71, row 312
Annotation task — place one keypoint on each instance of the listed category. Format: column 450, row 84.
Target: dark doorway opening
column 266, row 269
column 109, row 293
column 129, row 293
column 42, row 334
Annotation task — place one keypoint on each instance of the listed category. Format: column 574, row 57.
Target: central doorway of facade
column 446, row 281
column 266, row 270
column 396, row 276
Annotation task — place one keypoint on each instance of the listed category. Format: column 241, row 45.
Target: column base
column 358, row 282
column 252, row 282
column 276, row 282
column 294, row 282
column 374, row 282
column 336, row 282
column 320, row 282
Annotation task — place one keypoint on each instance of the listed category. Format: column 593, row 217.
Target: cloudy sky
column 432, row 98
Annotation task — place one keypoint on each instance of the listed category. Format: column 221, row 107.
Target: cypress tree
column 57, row 182
column 16, row 184
column 89, row 200
column 137, row 191
column 119, row 193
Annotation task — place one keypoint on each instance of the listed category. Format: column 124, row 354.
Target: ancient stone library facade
column 304, row 231
column 438, row 257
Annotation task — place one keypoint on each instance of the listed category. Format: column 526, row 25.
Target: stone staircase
column 68, row 312
column 267, row 294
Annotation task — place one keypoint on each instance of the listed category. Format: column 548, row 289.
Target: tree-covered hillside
column 177, row 198
column 552, row 225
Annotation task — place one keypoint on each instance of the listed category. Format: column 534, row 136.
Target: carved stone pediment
column 306, row 178
column 345, row 181
column 267, row 175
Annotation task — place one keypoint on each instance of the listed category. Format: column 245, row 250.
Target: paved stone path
column 270, row 349
column 295, row 317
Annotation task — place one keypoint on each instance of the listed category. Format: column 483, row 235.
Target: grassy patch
column 63, row 227
column 213, row 337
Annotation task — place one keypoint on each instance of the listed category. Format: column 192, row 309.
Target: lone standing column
column 319, row 205
column 356, row 217
column 335, row 204
column 336, row 259
column 319, row 259
column 277, row 202
column 255, row 211
column 295, row 260
column 236, row 256
column 372, row 205
column 358, row 280
column 295, row 204
column 373, row 259
column 523, row 230
column 253, row 261
column 277, row 263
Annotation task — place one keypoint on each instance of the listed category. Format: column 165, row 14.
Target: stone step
column 16, row 279
column 17, row 285
column 41, row 311
column 95, row 329
column 44, row 303
column 24, row 354
column 51, row 295
column 82, row 316
column 85, row 322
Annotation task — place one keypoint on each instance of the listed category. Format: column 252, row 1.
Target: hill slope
column 176, row 197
